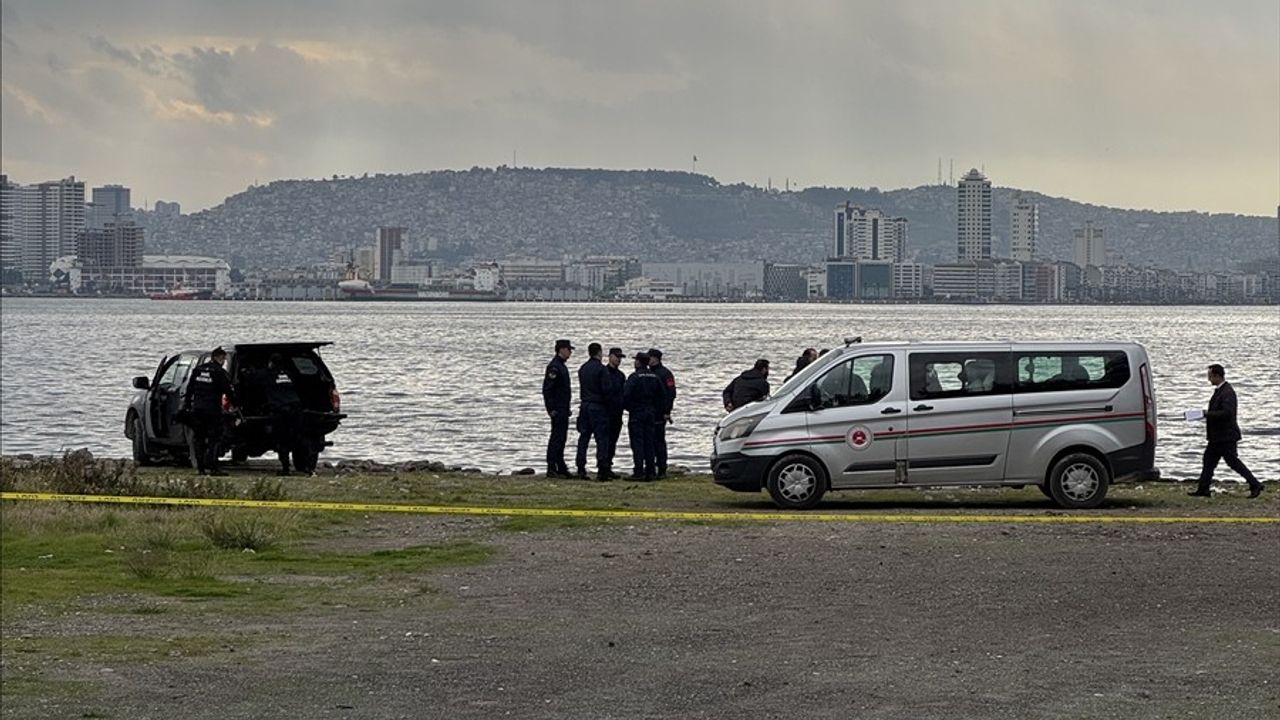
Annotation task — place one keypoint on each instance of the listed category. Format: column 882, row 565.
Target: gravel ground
column 750, row 621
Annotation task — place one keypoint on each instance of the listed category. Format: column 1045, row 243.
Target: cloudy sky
column 1164, row 104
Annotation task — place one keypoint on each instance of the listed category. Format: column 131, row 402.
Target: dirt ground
column 744, row 621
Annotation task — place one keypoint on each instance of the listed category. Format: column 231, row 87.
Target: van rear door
column 958, row 416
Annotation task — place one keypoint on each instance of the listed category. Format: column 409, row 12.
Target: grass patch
column 53, row 553
column 120, row 648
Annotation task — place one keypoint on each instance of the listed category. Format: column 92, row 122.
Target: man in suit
column 1223, row 432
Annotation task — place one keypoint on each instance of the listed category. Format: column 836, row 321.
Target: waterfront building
column 973, row 227
column 388, row 249
column 1007, row 280
column 785, row 281
column 868, row 234
column 1090, row 246
column 955, row 280
column 411, row 273
column 645, row 288
column 155, row 274
column 602, row 272
column 710, row 280
column 1024, row 230
column 908, row 280
column 47, row 218
column 525, row 271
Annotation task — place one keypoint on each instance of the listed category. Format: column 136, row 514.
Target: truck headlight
column 741, row 427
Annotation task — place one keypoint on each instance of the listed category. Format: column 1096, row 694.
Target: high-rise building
column 118, row 245
column 974, row 221
column 387, row 250
column 1090, row 247
column 47, row 220
column 1024, row 222
column 9, row 256
column 110, row 204
column 868, row 235
column 168, row 209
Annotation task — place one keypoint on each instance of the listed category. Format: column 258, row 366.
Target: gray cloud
column 1100, row 101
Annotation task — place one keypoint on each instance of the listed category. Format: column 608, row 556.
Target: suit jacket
column 1220, row 419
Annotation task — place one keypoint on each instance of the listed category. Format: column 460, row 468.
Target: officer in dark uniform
column 613, row 399
column 202, row 408
column 668, row 382
column 593, row 414
column 275, row 386
column 644, row 398
column 1223, row 431
column 557, row 394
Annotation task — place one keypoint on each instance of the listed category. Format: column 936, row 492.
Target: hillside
column 652, row 215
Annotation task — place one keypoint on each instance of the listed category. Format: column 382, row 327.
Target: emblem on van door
column 858, row 437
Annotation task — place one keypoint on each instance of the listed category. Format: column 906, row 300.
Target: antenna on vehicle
column 852, row 340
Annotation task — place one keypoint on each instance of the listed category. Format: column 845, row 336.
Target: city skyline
column 194, row 102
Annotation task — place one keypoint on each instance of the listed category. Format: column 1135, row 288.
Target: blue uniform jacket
column 644, row 397
column 593, row 382
column 615, row 380
column 557, row 389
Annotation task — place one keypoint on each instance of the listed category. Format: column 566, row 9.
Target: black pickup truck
column 153, row 421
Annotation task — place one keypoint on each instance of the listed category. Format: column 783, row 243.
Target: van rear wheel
column 1079, row 481
column 796, row 482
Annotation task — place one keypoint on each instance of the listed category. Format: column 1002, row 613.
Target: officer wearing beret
column 557, row 394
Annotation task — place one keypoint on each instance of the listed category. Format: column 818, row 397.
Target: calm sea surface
column 461, row 382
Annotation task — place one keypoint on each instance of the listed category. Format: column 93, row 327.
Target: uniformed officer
column 613, row 400
column 668, row 382
column 593, row 414
column 557, row 394
column 644, row 399
column 202, row 407
column 276, row 387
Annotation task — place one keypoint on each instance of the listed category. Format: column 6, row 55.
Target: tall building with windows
column 974, row 220
column 868, row 235
column 47, row 220
column 387, row 249
column 117, row 245
column 9, row 256
column 1090, row 247
column 1024, row 229
column 110, row 204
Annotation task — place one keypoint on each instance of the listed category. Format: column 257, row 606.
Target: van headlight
column 741, row 427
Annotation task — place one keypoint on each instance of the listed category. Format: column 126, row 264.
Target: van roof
column 991, row 344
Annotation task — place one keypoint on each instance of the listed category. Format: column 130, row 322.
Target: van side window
column 960, row 374
column 1056, row 371
column 859, row 381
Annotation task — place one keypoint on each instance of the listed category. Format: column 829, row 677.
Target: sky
column 1159, row 104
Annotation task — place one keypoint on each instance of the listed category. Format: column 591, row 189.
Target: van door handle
column 890, row 411
column 922, row 408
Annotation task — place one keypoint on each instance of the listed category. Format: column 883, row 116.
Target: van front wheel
column 796, row 482
column 1078, row 481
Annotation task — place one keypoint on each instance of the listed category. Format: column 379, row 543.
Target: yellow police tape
column 624, row 514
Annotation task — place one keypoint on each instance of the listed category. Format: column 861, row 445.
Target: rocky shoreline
column 340, row 467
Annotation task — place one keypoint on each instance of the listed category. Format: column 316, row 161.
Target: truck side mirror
column 142, row 382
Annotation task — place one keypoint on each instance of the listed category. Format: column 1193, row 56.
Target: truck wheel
column 140, row 456
column 796, row 482
column 1078, row 481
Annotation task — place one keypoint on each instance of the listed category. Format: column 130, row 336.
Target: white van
column 1069, row 417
